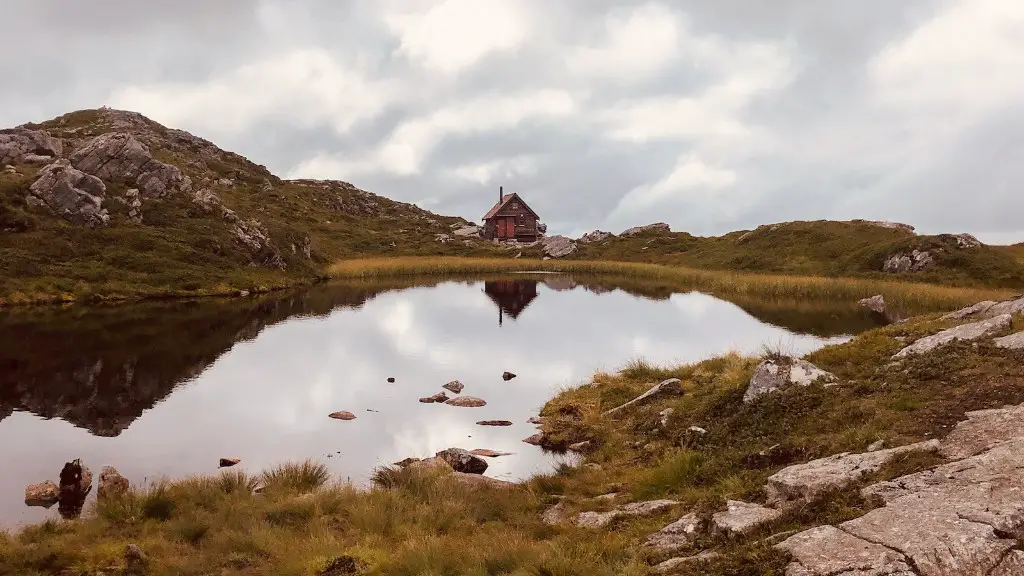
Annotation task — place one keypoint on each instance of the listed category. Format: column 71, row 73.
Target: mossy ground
column 419, row 523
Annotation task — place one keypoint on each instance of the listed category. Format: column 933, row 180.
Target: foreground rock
column 741, row 517
column 671, row 564
column 70, row 194
column 805, row 482
column 342, row 415
column 988, row 309
column 670, row 387
column 1011, row 342
column 875, row 303
column 463, row 461
column 774, row 374
column 660, row 227
column 676, row 535
column 535, row 439
column 111, row 483
column 983, row 430
column 557, row 246
column 602, row 519
column 44, row 494
column 454, row 386
column 972, row 331
column 466, row 402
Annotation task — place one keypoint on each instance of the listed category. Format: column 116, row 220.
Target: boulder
column 535, row 440
column 44, row 494
column 16, row 144
column 966, row 241
column 555, row 515
column 670, row 387
column 433, row 464
column 595, row 236
column 442, row 238
column 75, row 485
column 119, row 157
column 463, row 461
column 916, row 261
column 776, row 373
column 659, row 227
column 1011, row 342
column 488, row 453
column 875, row 303
column 229, row 462
column 741, row 517
column 342, row 415
column 70, row 194
column 494, row 423
column 602, row 519
column 506, row 376
column 438, row 398
column 971, row 331
column 466, row 402
column 806, row 482
column 467, row 232
column 676, row 535
column 454, row 386
column 665, row 415
column 111, row 483
column 135, row 560
column 983, row 430
column 827, row 550
column 557, row 246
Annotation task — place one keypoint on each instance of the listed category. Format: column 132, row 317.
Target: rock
column 983, row 430
column 602, row 519
column 555, row 515
column 972, row 331
column 976, row 309
column 494, row 423
column 480, row 481
column 660, row 227
column 1014, row 307
column 595, row 236
column 111, row 483
column 1012, row 565
column 886, row 224
column 442, row 238
column 433, row 464
column 439, row 397
column 671, row 564
column 827, row 551
column 665, row 415
column 966, row 241
column 740, row 517
column 593, row 466
column 487, row 453
column 557, row 246
column 407, row 462
column 876, row 446
column 341, row 566
column 875, row 303
column 775, row 374
column 229, row 462
column 536, row 440
column 36, row 159
column 676, row 535
column 8, row 169
column 391, row 380
column 266, row 186
column 506, row 376
column 580, row 446
column 119, row 157
column 70, row 194
column 697, row 430
column 454, row 386
column 75, row 485
column 226, row 182
column 805, row 482
column 343, row 415
column 17, row 143
column 44, row 494
column 1012, row 342
column 466, row 402
column 463, row 461
column 535, row 420
column 670, row 387
column 134, row 559
column 917, row 261
column 467, row 232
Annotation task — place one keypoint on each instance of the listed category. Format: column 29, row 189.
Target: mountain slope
column 108, row 203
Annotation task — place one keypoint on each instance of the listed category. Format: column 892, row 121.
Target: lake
column 167, row 388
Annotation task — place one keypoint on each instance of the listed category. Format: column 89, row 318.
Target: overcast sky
column 711, row 116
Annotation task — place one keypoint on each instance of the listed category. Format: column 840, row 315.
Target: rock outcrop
column 875, row 303
column 670, row 387
column 659, row 227
column 463, row 461
column 774, row 374
column 28, row 146
column 916, row 261
column 972, row 331
column 595, row 236
column 885, row 224
column 119, row 157
column 676, row 535
column 70, row 193
column 602, row 519
column 1012, row 342
column 467, row 232
column 250, row 233
column 741, row 517
column 111, row 483
column 557, row 246
column 983, row 430
column 988, row 309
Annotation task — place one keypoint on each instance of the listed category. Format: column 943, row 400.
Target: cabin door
column 506, row 228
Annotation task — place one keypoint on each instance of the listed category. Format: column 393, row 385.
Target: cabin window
column 515, row 205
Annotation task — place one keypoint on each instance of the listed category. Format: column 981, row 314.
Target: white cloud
column 638, row 44
column 504, row 168
column 453, row 35
column 307, row 87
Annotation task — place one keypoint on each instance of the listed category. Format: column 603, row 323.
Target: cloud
column 638, row 43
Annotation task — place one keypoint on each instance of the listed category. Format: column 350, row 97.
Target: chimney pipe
column 501, row 194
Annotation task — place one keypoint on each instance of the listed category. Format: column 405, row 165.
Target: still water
column 166, row 389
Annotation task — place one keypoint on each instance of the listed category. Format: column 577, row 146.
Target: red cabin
column 511, row 219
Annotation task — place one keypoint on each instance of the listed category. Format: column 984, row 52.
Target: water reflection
column 170, row 388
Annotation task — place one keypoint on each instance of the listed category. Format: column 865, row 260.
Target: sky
column 710, row 116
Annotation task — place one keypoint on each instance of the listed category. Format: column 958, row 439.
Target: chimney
column 501, row 194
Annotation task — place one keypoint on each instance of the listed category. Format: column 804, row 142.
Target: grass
column 294, row 520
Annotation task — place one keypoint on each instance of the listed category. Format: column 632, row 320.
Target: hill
column 107, row 203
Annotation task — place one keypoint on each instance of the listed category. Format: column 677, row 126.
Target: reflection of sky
column 266, row 400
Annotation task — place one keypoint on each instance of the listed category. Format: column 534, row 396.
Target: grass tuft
column 298, row 478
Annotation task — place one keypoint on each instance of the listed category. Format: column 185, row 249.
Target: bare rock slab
column 983, row 429
column 971, row 331
column 739, row 517
column 1011, row 342
column 978, row 309
column 827, row 551
column 557, row 246
column 670, row 387
column 674, row 536
column 671, row 564
column 807, row 481
column 70, row 194
column 774, row 374
column 602, row 519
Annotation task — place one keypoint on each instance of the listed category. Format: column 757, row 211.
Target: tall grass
column 768, row 286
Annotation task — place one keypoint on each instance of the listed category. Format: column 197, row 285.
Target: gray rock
column 111, row 483
column 671, row 564
column 875, row 303
column 556, row 515
column 595, row 236
column 557, row 246
column 454, row 386
column 466, row 402
column 697, row 430
column 886, row 224
column 676, row 535
column 740, row 517
column 656, row 227
column 16, row 144
column 119, row 157
column 1014, row 307
column 670, row 387
column 602, row 519
column 8, row 169
column 966, row 241
column 775, row 374
column 827, row 551
column 36, row 159
column 665, row 415
column 580, row 446
column 463, row 461
column 974, row 310
column 44, row 494
column 442, row 238
column 916, row 261
column 134, row 559
column 70, row 194
column 805, row 482
column 1012, row 342
column 983, row 430
column 876, row 446
column 972, row 331
column 467, row 232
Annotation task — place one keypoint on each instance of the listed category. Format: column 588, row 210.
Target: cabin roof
column 505, row 200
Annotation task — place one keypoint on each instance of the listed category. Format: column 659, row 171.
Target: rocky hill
column 109, row 203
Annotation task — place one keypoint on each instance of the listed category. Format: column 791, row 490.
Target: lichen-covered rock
column 602, row 519
column 555, row 515
column 440, row 397
column 672, row 564
column 595, row 236
column 676, row 535
column 740, row 517
column 467, row 232
column 656, row 227
column 17, row 144
column 973, row 310
column 828, row 551
column 886, row 224
column 916, row 261
column 463, row 461
column 44, row 494
column 972, row 331
column 774, row 374
column 1011, row 342
column 119, row 157
column 670, row 387
column 805, row 482
column 70, row 194
column 983, row 430
column 557, row 246
column 111, row 483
